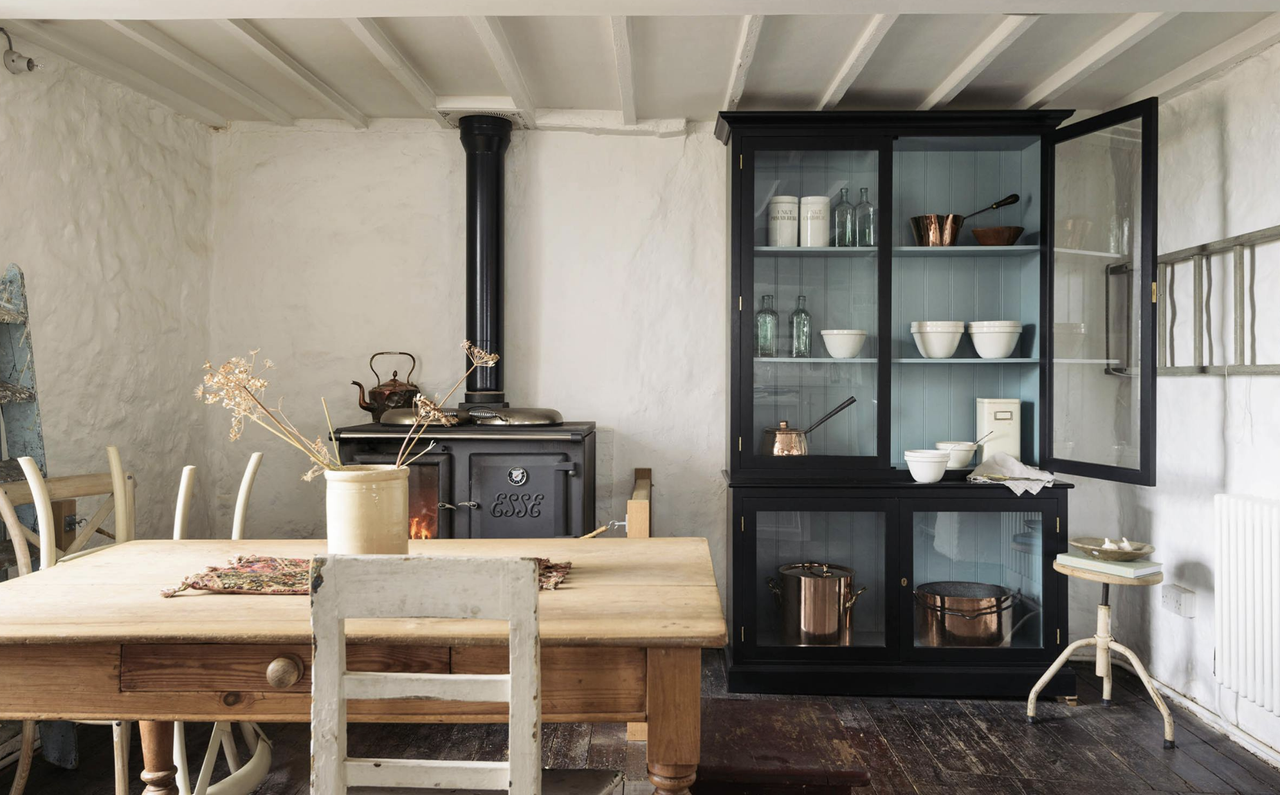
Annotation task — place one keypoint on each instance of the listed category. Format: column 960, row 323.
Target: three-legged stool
column 1105, row 644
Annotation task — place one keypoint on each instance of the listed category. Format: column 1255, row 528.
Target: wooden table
column 622, row 639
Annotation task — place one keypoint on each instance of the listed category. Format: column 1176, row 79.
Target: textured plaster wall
column 1218, row 177
column 105, row 203
column 331, row 244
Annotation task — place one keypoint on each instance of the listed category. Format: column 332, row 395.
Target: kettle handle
column 413, row 363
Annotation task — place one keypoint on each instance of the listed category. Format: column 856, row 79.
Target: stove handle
column 571, row 468
column 471, row 504
column 445, row 505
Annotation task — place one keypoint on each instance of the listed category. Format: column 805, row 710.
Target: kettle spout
column 364, row 404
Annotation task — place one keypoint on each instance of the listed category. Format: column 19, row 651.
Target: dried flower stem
column 407, row 444
column 332, row 437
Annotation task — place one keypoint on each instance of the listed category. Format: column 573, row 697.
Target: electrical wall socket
column 1178, row 600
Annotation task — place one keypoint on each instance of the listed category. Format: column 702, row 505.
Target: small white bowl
column 937, row 344
column 926, row 470
column 995, row 344
column 843, row 343
column 960, row 455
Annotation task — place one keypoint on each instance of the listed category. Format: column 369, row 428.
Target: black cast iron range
column 502, row 472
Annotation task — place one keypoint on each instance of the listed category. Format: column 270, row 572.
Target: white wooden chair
column 40, row 492
column 395, row 586
column 243, row 779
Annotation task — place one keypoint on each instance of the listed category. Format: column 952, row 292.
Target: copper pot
column 964, row 614
column 787, row 441
column 816, row 600
column 944, row 229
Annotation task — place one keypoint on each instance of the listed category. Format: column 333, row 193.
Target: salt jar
column 815, row 222
column 784, row 215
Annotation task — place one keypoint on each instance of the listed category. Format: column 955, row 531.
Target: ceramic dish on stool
column 1093, row 548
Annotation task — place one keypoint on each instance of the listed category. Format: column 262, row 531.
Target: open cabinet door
column 1101, row 291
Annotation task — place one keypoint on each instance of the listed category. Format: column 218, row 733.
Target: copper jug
column 392, row 394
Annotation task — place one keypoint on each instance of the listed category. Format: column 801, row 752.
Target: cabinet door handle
column 471, row 504
column 904, row 582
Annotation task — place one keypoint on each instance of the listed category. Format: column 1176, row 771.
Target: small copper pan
column 944, row 230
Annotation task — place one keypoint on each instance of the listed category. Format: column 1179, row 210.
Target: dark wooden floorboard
column 910, row 746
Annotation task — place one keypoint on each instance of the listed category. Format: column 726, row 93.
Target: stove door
column 520, row 495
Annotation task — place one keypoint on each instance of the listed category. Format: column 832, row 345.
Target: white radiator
column 1246, row 609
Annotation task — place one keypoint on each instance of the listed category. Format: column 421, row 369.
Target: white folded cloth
column 1004, row 468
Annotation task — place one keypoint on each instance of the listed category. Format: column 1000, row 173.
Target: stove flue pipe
column 485, row 139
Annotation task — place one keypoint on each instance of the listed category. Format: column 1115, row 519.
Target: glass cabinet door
column 977, row 579
column 811, row 323
column 820, row 581
column 1103, row 342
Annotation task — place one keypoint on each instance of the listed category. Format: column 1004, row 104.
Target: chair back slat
column 395, row 586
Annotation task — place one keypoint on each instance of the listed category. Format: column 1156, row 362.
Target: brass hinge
column 1059, row 637
column 739, row 303
column 742, row 633
column 1057, row 525
column 1153, row 292
column 739, row 444
column 742, row 524
column 739, row 162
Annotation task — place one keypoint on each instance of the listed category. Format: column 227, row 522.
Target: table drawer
column 183, row 667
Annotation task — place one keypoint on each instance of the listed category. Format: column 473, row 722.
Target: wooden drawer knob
column 285, row 671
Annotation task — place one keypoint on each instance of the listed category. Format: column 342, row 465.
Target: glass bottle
column 843, row 214
column 865, row 217
column 766, row 329
column 800, row 330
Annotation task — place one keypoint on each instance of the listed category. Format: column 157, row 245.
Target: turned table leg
column 157, row 757
column 674, row 706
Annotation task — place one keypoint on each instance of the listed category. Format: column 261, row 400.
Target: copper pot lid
column 817, row 571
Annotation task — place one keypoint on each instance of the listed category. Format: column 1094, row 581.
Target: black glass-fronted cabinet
column 836, row 293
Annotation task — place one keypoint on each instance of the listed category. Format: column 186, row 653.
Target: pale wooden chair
column 395, row 586
column 243, row 779
column 42, row 493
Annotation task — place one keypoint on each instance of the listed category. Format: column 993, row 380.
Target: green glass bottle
column 843, row 215
column 801, row 333
column 766, row 329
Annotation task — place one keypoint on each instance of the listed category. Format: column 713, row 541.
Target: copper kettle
column 787, row 441
column 393, row 394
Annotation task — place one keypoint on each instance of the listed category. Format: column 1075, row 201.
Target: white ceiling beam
column 268, row 51
column 607, row 122
column 161, row 44
column 1227, row 54
column 1006, row 33
column 494, row 39
column 342, row 9
column 862, row 50
column 1128, row 33
column 375, row 39
column 621, row 29
column 748, row 37
column 55, row 42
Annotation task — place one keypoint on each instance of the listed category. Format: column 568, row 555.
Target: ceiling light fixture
column 16, row 62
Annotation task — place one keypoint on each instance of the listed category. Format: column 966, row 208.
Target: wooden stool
column 1105, row 644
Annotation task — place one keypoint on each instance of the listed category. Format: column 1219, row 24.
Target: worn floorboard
column 910, row 746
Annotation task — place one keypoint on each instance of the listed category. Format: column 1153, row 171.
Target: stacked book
column 1132, row 569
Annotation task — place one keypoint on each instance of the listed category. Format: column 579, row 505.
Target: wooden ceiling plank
column 862, row 51
column 621, row 28
column 494, row 39
column 1227, row 54
column 1128, row 33
column 748, row 38
column 44, row 36
column 1006, row 33
column 375, row 39
column 161, row 44
column 268, row 51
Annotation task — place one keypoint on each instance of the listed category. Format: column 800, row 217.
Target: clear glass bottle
column 865, row 218
column 843, row 215
column 766, row 329
column 800, row 330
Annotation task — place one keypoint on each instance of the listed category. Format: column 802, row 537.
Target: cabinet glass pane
column 799, row 605
column 800, row 374
column 977, row 579
column 1097, row 311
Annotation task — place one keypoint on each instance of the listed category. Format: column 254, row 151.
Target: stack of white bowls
column 927, row 466
column 995, row 339
column 937, row 339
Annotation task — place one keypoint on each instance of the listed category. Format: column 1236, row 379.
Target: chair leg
column 1151, row 688
column 24, row 758
column 229, row 749
column 121, row 732
column 183, row 778
column 1049, row 674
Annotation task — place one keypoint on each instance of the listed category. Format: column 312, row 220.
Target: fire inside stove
column 424, row 502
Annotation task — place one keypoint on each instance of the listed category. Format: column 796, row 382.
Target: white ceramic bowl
column 995, row 324
column 937, row 344
column 843, row 343
column 927, row 468
column 960, row 453
column 937, row 325
column 995, row 343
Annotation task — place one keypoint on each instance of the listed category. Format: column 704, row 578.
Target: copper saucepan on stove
column 785, row 440
column 944, row 230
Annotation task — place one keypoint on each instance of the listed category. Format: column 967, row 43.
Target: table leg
column 157, row 757
column 674, row 706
